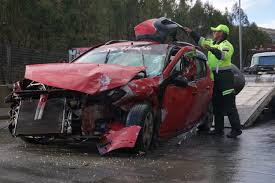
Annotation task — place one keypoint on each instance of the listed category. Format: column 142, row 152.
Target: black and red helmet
column 155, row 29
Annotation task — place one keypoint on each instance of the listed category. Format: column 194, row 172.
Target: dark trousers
column 225, row 105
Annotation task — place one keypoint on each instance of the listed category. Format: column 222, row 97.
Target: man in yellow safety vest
column 220, row 52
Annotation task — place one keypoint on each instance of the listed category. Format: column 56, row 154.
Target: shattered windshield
column 150, row 56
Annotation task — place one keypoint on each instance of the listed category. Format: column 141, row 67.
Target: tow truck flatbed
column 254, row 98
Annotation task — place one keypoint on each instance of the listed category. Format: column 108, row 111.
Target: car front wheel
column 142, row 115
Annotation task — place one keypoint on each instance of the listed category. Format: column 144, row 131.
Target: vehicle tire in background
column 142, row 115
column 43, row 140
column 272, row 105
column 207, row 120
column 239, row 79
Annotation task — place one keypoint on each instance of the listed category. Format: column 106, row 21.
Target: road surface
column 202, row 158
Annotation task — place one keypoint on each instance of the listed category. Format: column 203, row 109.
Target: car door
column 203, row 91
column 177, row 104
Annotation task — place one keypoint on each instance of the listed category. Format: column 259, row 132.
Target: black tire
column 207, row 119
column 142, row 115
column 272, row 105
column 239, row 79
column 44, row 140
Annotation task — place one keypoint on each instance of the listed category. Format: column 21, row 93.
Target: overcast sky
column 260, row 11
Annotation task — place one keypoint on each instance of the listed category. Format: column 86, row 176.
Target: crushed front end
column 40, row 111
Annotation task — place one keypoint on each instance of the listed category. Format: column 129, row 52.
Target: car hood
column 84, row 77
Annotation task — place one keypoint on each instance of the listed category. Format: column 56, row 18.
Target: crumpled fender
column 123, row 138
column 143, row 87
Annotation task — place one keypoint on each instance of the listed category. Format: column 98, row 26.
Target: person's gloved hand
column 187, row 29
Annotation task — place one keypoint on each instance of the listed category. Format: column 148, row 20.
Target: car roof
column 129, row 43
column 264, row 54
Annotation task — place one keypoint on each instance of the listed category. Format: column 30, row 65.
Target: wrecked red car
column 122, row 94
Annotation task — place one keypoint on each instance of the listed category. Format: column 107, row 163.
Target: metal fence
column 13, row 61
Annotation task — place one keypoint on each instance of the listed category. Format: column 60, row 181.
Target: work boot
column 216, row 132
column 234, row 133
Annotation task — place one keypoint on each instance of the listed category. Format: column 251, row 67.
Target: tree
column 60, row 25
column 168, row 8
column 236, row 13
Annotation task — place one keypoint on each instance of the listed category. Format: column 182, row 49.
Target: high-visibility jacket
column 226, row 49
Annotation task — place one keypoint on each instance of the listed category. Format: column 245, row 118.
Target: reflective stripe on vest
column 227, row 92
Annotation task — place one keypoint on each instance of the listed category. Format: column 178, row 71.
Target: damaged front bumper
column 123, row 138
column 56, row 113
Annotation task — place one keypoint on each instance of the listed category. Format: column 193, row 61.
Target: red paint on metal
column 143, row 87
column 180, row 53
column 183, row 106
column 123, row 138
column 115, row 126
column 40, row 106
column 42, row 101
column 131, row 43
column 178, row 103
column 139, row 91
column 146, row 27
column 86, row 78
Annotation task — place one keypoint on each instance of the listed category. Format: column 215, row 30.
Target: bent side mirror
column 180, row 81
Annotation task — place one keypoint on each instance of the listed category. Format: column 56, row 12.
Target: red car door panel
column 177, row 105
column 204, row 85
column 178, row 101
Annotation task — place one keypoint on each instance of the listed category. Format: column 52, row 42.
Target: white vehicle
column 262, row 62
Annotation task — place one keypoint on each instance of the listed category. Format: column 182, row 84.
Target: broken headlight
column 116, row 94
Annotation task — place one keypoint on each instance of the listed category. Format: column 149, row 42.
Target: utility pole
column 240, row 37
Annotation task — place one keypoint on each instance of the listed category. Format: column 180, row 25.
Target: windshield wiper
column 107, row 57
column 143, row 63
column 143, row 60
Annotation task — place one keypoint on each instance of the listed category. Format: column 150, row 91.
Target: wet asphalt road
column 202, row 158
